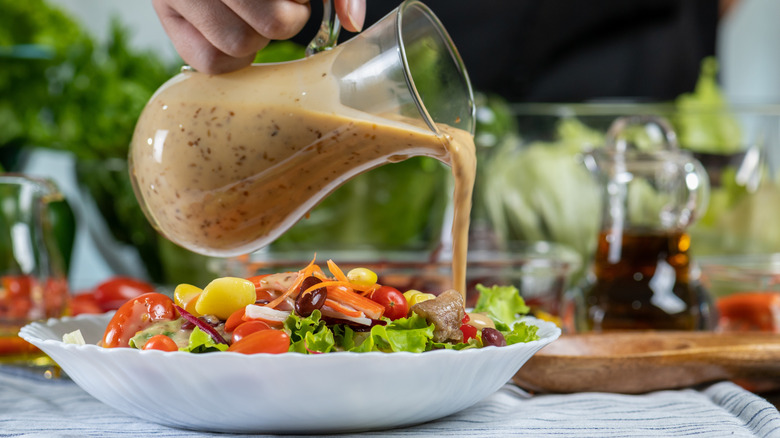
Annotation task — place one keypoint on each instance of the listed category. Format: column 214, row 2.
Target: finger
column 225, row 30
column 351, row 13
column 192, row 45
column 273, row 19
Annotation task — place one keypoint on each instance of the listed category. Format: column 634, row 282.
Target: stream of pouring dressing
column 225, row 164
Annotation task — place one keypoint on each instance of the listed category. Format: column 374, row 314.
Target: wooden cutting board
column 637, row 362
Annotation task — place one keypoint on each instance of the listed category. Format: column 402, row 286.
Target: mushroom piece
column 446, row 313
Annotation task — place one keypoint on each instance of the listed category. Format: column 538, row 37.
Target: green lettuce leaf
column 472, row 343
column 521, row 332
column 310, row 334
column 405, row 334
column 345, row 337
column 412, row 334
column 202, row 342
column 703, row 121
column 536, row 190
column 503, row 304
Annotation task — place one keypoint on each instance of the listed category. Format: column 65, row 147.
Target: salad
column 311, row 312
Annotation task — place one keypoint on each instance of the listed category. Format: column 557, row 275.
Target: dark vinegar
column 642, row 281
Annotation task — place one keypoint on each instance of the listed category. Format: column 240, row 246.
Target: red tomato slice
column 393, row 300
column 235, row 320
column 161, row 342
column 113, row 293
column 264, row 341
column 247, row 328
column 469, row 331
column 136, row 315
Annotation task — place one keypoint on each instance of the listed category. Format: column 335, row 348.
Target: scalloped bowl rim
column 153, row 386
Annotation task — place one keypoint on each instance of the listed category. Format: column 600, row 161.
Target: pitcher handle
column 328, row 34
column 621, row 144
column 697, row 182
column 655, row 126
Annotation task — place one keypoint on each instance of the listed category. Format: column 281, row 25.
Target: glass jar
column 651, row 191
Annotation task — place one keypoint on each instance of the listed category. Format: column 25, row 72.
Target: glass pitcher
column 651, row 193
column 33, row 283
column 222, row 165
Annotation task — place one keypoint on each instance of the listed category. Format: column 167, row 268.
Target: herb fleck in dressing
column 225, row 164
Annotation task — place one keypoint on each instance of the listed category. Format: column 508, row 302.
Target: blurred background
column 550, row 77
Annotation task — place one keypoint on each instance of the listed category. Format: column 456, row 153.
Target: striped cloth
column 31, row 406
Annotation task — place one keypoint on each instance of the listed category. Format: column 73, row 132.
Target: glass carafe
column 33, row 283
column 651, row 192
column 222, row 165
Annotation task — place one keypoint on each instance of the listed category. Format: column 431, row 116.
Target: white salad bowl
column 286, row 393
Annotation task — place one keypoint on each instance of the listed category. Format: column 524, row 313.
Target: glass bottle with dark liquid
column 641, row 274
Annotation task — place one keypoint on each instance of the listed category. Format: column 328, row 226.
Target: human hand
column 219, row 36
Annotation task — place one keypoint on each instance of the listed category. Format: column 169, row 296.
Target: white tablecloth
column 31, row 406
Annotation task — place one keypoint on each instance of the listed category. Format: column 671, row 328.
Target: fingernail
column 357, row 14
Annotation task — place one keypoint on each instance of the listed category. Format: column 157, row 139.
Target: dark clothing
column 573, row 50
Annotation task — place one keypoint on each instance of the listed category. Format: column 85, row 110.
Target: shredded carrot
column 339, row 275
column 370, row 290
column 336, row 271
column 371, row 308
column 341, row 308
column 288, row 292
column 342, row 297
column 328, row 284
column 302, row 274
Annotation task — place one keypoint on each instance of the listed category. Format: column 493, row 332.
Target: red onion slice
column 201, row 325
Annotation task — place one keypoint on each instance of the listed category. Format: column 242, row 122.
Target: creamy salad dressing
column 225, row 164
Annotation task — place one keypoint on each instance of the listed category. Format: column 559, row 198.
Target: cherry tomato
column 393, row 300
column 114, row 292
column 247, row 328
column 264, row 341
column 161, row 342
column 136, row 315
column 469, row 331
column 235, row 319
column 84, row 303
